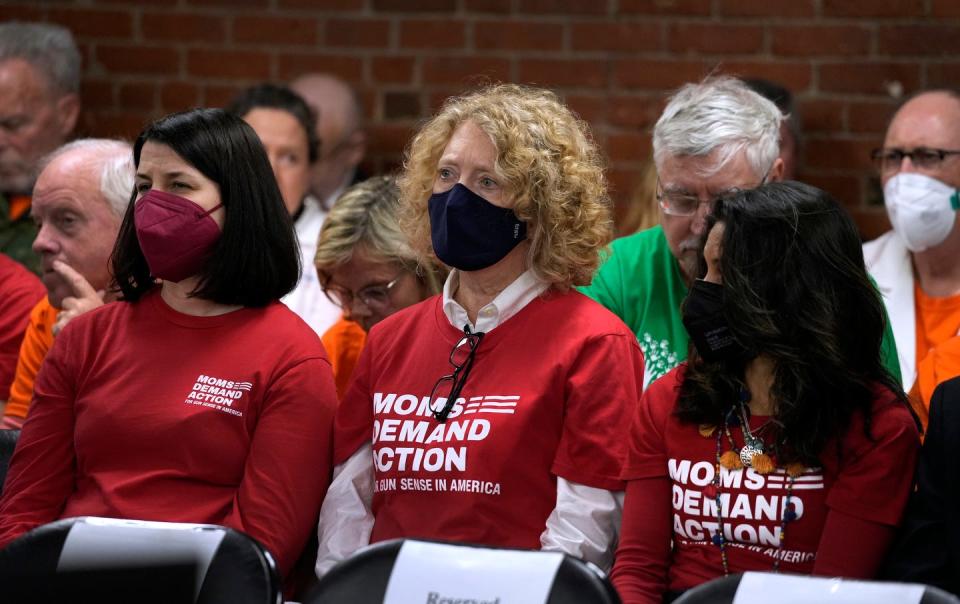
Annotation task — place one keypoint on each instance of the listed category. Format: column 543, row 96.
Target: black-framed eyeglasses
column 376, row 297
column 461, row 358
column 889, row 159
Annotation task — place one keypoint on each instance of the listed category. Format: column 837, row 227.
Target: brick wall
column 612, row 60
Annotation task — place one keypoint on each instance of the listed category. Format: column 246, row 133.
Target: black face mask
column 708, row 328
column 470, row 233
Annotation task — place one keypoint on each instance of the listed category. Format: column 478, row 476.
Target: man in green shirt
column 713, row 137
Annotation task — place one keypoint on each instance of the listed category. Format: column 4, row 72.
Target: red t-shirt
column 868, row 481
column 19, row 292
column 546, row 397
column 143, row 412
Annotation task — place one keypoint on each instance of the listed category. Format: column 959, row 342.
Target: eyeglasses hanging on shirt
column 461, row 358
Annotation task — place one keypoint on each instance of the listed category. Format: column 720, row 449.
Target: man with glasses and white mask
column 714, row 137
column 916, row 264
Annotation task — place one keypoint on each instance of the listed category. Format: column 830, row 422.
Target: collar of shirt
column 509, row 302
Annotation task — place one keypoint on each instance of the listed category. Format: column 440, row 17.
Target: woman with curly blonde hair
column 495, row 408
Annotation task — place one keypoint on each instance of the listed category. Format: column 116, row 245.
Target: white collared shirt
column 507, row 303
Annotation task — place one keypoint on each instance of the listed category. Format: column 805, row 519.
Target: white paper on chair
column 792, row 589
column 436, row 573
column 100, row 543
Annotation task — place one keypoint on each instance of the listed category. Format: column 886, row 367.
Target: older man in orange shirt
column 78, row 202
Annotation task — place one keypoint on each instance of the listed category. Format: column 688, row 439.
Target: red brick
column 517, row 35
column 292, row 65
column 392, row 70
column 181, row 27
column 388, row 137
column 328, row 5
column 621, row 181
column 873, row 8
column 564, row 7
column 275, row 30
column 637, row 113
column 96, row 93
column 140, row 60
column 432, row 34
column 399, row 105
column 944, row 75
column 137, row 95
column 870, row 118
column 562, row 72
column 119, row 124
column 872, row 222
column 21, row 13
column 657, row 74
column 488, row 6
column 820, row 41
column 796, row 76
column 839, row 154
column 437, row 98
column 845, row 189
column 177, row 96
column 628, row 147
column 590, row 108
column 357, row 33
column 664, row 7
column 820, row 115
column 461, row 70
column 94, row 23
column 868, row 78
column 231, row 3
column 617, row 37
column 216, row 95
column 945, row 8
column 905, row 40
column 715, row 39
column 415, row 6
column 767, row 8
column 249, row 65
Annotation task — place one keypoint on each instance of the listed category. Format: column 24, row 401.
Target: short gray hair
column 49, row 48
column 115, row 160
column 719, row 114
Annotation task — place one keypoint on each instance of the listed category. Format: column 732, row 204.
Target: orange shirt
column 938, row 344
column 343, row 341
column 37, row 341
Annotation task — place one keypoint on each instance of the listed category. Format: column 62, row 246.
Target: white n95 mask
column 921, row 209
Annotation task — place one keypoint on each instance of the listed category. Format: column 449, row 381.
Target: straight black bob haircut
column 257, row 258
column 795, row 290
column 273, row 96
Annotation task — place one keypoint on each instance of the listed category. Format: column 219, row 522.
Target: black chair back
column 8, row 442
column 724, row 589
column 363, row 578
column 132, row 562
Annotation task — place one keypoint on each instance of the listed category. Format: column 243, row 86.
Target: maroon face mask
column 175, row 234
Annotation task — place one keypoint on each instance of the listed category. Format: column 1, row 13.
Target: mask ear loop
column 212, row 210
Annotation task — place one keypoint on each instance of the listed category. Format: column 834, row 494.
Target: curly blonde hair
column 548, row 163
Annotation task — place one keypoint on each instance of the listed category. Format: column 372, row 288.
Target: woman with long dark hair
column 199, row 397
column 783, row 444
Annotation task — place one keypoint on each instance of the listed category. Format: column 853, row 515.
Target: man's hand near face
column 84, row 297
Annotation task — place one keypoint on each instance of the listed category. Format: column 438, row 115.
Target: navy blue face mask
column 470, row 233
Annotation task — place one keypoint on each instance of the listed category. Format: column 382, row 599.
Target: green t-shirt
column 16, row 237
column 641, row 283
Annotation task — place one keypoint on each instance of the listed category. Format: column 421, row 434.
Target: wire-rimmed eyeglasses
column 461, row 358
column 376, row 297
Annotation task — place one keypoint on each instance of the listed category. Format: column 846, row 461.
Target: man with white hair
column 39, row 105
column 78, row 203
column 712, row 138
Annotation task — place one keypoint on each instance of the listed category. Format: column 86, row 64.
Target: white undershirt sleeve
column 345, row 516
column 585, row 523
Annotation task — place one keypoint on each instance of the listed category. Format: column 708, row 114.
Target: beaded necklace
column 752, row 454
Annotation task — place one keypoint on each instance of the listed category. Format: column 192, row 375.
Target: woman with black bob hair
column 198, row 397
column 783, row 443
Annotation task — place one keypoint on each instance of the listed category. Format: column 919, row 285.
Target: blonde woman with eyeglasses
column 367, row 268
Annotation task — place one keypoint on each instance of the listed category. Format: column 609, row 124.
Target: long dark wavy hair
column 795, row 290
